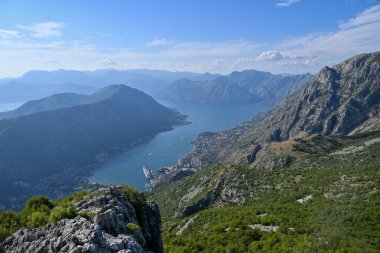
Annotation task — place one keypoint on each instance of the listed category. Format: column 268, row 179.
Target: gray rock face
column 75, row 235
column 106, row 232
column 341, row 100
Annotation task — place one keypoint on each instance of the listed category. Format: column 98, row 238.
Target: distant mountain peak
column 244, row 87
column 339, row 100
column 113, row 92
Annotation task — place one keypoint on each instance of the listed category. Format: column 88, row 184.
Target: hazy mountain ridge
column 244, row 87
column 53, row 102
column 37, row 84
column 62, row 100
column 53, row 151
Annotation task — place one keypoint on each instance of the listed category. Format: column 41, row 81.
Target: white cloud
column 286, row 3
column 107, row 62
column 272, row 55
column 367, row 17
column 7, row 34
column 159, row 42
column 357, row 35
column 47, row 60
column 44, row 30
column 242, row 63
column 214, row 65
column 207, row 49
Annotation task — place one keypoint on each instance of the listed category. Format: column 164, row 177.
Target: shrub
column 39, row 203
column 65, row 211
column 134, row 196
column 9, row 223
column 87, row 215
column 137, row 199
column 77, row 196
column 132, row 228
column 37, row 219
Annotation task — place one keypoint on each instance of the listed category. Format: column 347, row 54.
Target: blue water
column 168, row 147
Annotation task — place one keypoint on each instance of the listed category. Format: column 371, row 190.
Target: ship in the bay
column 148, row 173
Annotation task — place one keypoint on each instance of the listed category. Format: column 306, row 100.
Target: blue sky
column 281, row 36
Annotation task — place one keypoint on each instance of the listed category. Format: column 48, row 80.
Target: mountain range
column 343, row 100
column 244, row 87
column 37, row 84
column 301, row 177
column 236, row 88
column 53, row 151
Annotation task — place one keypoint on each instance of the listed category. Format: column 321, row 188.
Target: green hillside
column 327, row 202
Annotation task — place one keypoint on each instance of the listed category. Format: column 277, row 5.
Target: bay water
column 168, row 147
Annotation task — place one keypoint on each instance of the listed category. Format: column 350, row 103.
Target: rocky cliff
column 341, row 100
column 114, row 222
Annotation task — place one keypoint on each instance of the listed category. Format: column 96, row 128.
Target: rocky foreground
column 111, row 224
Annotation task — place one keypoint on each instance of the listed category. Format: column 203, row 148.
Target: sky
column 216, row 36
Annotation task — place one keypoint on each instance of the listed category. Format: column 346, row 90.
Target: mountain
column 37, row 84
column 341, row 100
column 52, row 102
column 237, row 88
column 302, row 177
column 111, row 219
column 326, row 201
column 52, row 152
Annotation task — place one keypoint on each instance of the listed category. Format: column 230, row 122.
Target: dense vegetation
column 322, row 203
column 38, row 212
column 342, row 216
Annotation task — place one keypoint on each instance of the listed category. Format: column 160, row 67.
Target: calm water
column 168, row 147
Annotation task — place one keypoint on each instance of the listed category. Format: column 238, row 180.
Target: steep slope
column 52, row 152
column 53, row 102
column 341, row 100
column 237, row 88
column 326, row 201
column 222, row 185
column 111, row 219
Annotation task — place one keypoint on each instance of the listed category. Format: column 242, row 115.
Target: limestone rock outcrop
column 109, row 211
